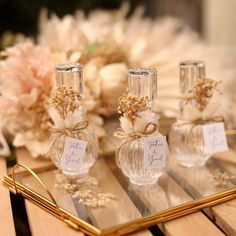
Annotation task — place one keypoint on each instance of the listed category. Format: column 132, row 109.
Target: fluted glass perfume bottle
column 186, row 138
column 139, row 124
column 74, row 147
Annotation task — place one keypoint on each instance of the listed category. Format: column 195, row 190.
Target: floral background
column 107, row 43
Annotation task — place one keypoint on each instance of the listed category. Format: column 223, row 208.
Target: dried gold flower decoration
column 130, row 105
column 65, row 100
column 221, row 178
column 202, row 92
column 86, row 190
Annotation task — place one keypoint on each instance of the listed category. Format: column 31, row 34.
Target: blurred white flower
column 35, row 147
column 113, row 83
column 126, row 125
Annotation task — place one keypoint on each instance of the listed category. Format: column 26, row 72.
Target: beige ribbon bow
column 66, row 131
column 149, row 129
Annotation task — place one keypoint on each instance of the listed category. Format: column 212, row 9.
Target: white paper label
column 74, row 152
column 214, row 138
column 155, row 151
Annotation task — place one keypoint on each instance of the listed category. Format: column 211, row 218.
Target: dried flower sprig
column 130, row 105
column 65, row 100
column 202, row 92
column 221, row 178
column 86, row 190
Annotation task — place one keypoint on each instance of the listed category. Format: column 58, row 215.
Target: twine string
column 149, row 129
column 205, row 121
column 66, row 131
column 202, row 121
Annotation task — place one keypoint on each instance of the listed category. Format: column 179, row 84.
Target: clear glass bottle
column 70, row 77
column 142, row 82
column 185, row 138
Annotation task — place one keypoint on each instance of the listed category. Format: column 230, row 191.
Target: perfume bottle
column 186, row 138
column 74, row 148
column 130, row 157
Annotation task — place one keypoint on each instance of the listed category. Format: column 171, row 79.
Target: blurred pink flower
column 26, row 82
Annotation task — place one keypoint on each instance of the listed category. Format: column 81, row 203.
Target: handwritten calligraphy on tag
column 74, row 152
column 214, row 138
column 155, row 151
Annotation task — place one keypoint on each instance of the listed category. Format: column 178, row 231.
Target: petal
column 191, row 113
column 149, row 116
column 27, row 100
column 58, row 121
column 19, row 140
column 140, row 124
column 126, row 125
column 76, row 117
column 211, row 109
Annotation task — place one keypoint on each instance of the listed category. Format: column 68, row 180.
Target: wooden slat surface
column 189, row 225
column 23, row 157
column 6, row 219
column 41, row 222
column 194, row 224
column 223, row 215
column 229, row 156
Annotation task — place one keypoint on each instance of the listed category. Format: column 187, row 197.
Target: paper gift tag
column 214, row 138
column 155, row 151
column 74, row 152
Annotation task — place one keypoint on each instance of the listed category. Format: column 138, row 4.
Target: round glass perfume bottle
column 142, row 82
column 69, row 77
column 186, row 138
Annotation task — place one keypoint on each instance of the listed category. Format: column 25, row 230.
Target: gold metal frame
column 122, row 229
